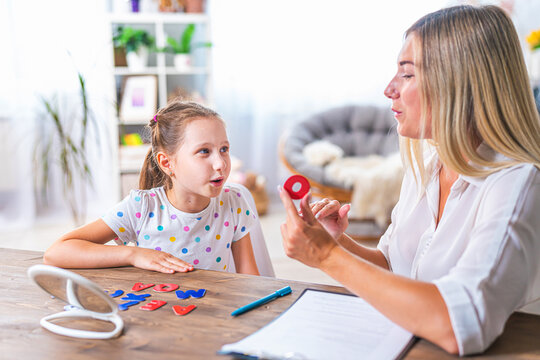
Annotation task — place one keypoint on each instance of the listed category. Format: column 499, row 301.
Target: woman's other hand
column 304, row 238
column 160, row 261
column 332, row 216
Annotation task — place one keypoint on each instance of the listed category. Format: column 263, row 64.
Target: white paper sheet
column 326, row 325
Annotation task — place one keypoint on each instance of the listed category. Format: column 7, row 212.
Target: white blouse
column 484, row 254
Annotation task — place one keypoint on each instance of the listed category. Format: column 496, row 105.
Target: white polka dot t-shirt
column 147, row 219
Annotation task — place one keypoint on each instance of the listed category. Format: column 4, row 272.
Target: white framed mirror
column 88, row 301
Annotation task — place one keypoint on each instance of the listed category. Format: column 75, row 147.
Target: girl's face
column 201, row 165
column 405, row 95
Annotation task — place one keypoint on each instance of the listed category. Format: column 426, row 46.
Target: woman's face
column 405, row 95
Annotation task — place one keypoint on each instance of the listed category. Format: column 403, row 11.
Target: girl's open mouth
column 217, row 182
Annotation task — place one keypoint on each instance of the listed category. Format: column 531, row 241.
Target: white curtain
column 277, row 62
column 46, row 43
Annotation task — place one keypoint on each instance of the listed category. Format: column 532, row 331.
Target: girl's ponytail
column 151, row 174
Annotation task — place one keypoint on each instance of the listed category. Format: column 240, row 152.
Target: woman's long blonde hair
column 475, row 87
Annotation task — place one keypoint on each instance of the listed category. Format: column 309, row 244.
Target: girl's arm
column 85, row 247
column 414, row 305
column 244, row 259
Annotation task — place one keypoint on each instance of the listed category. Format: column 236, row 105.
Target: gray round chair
column 359, row 130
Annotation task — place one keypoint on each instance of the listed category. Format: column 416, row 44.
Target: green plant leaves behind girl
column 185, row 45
column 132, row 39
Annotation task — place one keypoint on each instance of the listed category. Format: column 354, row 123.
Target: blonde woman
column 462, row 251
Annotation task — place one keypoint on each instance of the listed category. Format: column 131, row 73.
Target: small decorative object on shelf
column 133, row 139
column 193, row 6
column 169, row 6
column 139, row 99
column 534, row 57
column 187, row 6
column 120, row 56
column 135, row 5
column 137, row 43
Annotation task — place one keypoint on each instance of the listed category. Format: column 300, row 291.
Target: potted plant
column 136, row 43
column 182, row 49
column 61, row 143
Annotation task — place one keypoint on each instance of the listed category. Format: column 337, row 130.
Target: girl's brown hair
column 167, row 133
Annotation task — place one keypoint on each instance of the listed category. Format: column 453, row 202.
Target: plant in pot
column 61, row 144
column 182, row 49
column 137, row 43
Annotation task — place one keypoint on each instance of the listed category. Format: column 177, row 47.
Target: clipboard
column 325, row 325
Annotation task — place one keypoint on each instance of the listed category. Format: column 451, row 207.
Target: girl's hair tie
column 155, row 118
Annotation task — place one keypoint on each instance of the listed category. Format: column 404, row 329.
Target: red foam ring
column 304, row 186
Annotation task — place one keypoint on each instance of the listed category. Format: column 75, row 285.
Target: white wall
column 277, row 62
column 47, row 43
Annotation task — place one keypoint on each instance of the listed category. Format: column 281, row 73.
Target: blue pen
column 281, row 292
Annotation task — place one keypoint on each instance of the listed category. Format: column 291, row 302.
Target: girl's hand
column 304, row 238
column 332, row 216
column 160, row 261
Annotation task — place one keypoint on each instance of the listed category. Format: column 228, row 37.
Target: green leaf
column 132, row 39
column 185, row 40
column 173, row 45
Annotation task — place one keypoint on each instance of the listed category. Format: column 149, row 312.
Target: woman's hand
column 304, row 238
column 332, row 216
column 160, row 261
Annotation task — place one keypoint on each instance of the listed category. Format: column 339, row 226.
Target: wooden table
column 163, row 335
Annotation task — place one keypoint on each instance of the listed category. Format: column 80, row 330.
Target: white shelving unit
column 196, row 79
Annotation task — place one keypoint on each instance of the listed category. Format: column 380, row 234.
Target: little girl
column 183, row 216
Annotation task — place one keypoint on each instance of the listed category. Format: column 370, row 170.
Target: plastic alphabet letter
column 183, row 310
column 186, row 294
column 165, row 287
column 117, row 293
column 198, row 294
column 153, row 305
column 139, row 298
column 125, row 306
column 140, row 286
